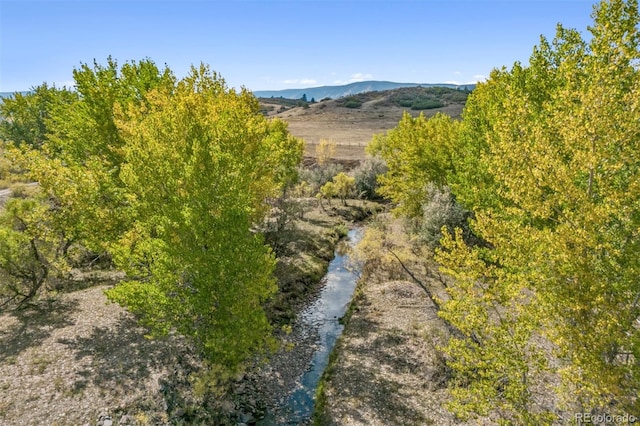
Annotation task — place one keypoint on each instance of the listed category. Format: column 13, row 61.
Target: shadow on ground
column 111, row 356
column 33, row 325
column 378, row 378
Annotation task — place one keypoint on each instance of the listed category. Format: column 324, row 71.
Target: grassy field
column 352, row 128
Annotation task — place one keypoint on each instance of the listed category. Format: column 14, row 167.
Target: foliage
column 419, row 105
column 443, row 95
column 344, row 186
column 325, row 150
column 327, row 191
column 440, row 209
column 417, row 151
column 30, row 251
column 546, row 158
column 25, row 116
column 366, row 177
column 5, row 165
column 553, row 179
column 350, row 101
column 317, row 175
column 170, row 177
column 79, row 163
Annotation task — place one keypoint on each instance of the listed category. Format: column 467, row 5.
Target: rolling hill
column 335, row 92
column 353, row 120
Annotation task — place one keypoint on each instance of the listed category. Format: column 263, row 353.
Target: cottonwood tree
column 25, row 117
column 170, row 177
column 344, row 185
column 554, row 179
column 31, row 252
column 417, row 151
column 201, row 163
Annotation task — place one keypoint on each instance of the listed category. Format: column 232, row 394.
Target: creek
column 321, row 318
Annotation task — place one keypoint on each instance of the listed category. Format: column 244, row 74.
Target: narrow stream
column 321, row 317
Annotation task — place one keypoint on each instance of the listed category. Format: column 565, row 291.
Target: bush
column 353, row 103
column 426, row 104
column 344, row 185
column 366, row 176
column 441, row 209
column 317, row 175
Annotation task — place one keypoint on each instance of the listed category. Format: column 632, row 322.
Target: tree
column 327, row 191
column 343, row 186
column 25, row 116
column 417, row 151
column 201, row 163
column 171, row 177
column 81, row 158
column 553, row 180
column 30, row 252
column 325, row 150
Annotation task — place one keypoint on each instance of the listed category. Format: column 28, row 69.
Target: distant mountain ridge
column 335, row 92
column 10, row 94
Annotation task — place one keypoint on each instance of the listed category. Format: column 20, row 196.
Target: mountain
column 335, row 92
column 10, row 94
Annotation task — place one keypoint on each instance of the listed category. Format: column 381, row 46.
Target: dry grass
column 351, row 129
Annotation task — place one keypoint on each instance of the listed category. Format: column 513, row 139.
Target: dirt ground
column 76, row 359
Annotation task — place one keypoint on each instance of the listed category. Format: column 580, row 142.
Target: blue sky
column 271, row 45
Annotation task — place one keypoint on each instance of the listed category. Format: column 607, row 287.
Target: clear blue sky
column 280, row 44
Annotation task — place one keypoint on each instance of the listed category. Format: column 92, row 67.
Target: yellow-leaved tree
column 552, row 172
column 417, row 152
column 170, row 178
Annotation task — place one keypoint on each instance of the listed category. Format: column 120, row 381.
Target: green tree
column 201, row 162
column 25, row 116
column 171, row 177
column 30, row 252
column 327, row 191
column 343, row 186
column 417, row 151
column 79, row 163
column 554, row 183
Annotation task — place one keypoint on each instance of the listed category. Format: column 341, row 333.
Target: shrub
column 317, row 175
column 441, row 209
column 352, row 102
column 366, row 177
column 426, row 104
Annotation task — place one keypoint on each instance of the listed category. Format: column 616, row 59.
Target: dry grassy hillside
column 350, row 128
